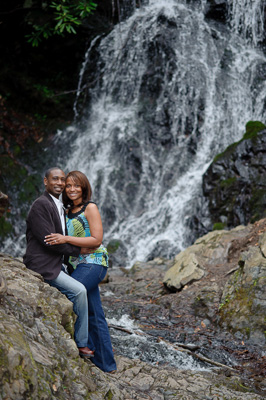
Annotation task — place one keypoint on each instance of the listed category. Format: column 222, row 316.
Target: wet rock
column 161, row 249
column 117, row 253
column 216, row 9
column 234, row 184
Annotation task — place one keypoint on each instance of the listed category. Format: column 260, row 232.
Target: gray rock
column 234, row 184
column 190, row 264
column 187, row 269
column 243, row 303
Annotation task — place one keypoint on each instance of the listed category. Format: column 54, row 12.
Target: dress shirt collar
column 58, row 202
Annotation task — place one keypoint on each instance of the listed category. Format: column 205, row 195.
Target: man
column 47, row 216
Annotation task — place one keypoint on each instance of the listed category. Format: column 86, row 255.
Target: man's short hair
column 48, row 171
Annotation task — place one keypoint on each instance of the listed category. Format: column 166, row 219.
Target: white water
column 138, row 345
column 247, row 19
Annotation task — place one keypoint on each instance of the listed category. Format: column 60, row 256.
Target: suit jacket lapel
column 46, row 194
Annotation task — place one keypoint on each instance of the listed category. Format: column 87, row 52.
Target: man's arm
column 42, row 222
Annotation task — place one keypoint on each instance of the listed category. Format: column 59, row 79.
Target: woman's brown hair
column 79, row 179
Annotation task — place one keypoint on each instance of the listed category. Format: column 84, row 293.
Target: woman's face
column 73, row 191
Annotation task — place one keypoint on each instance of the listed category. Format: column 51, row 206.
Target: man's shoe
column 85, row 352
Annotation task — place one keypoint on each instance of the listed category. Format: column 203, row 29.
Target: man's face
column 55, row 183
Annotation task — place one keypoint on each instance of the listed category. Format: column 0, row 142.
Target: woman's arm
column 94, row 219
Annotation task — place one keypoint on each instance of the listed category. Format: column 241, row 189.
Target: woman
column 85, row 230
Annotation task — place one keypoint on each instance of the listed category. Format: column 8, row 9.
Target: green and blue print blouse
column 78, row 226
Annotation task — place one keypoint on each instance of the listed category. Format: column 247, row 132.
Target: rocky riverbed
column 218, row 305
column 39, row 359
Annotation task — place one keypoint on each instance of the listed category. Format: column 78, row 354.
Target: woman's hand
column 55, row 238
column 88, row 250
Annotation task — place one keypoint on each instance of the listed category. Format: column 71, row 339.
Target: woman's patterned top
column 78, row 226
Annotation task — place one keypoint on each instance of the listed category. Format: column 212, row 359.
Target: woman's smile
column 73, row 190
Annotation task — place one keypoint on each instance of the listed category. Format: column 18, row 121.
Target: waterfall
column 172, row 90
column 166, row 90
column 247, row 18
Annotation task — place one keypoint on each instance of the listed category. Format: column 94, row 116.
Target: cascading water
column 172, row 90
column 247, row 19
column 168, row 89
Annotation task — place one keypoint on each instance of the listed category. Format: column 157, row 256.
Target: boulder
column 190, row 265
column 187, row 269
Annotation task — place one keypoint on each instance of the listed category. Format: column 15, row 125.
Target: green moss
column 218, row 226
column 252, row 129
column 109, row 395
column 229, row 150
column 228, row 182
column 238, row 386
column 241, row 298
column 113, row 246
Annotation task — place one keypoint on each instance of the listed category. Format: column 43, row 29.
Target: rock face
column 235, row 182
column 39, row 359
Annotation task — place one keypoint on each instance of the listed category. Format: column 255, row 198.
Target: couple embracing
column 67, row 250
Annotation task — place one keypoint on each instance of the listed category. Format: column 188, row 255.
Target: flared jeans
column 90, row 275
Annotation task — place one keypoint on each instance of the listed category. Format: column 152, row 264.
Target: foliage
column 56, row 18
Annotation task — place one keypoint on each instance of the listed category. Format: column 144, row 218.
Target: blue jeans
column 99, row 337
column 77, row 294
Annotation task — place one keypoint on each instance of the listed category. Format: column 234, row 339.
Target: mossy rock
column 234, row 184
column 113, row 246
column 242, row 308
column 252, row 129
